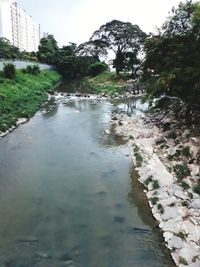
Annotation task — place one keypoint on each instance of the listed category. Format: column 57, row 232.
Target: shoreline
column 52, row 94
column 176, row 209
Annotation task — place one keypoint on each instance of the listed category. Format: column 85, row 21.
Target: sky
column 76, row 20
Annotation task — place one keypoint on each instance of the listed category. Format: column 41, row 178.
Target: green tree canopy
column 7, row 50
column 173, row 56
column 120, row 37
column 48, row 50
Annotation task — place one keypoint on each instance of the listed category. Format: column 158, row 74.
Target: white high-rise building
column 18, row 27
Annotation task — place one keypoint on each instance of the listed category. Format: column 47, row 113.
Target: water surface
column 68, row 196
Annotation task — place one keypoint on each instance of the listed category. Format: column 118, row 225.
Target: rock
column 107, row 131
column 168, row 201
column 189, row 252
column 175, row 242
column 182, row 113
column 198, row 156
column 166, row 123
column 186, row 133
column 50, row 92
column 170, row 213
column 195, row 204
column 194, row 141
column 169, row 226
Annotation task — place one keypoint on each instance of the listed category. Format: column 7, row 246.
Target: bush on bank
column 22, row 96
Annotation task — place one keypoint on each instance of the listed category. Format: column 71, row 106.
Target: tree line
column 168, row 62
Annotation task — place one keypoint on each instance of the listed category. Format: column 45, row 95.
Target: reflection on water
column 66, row 196
column 132, row 106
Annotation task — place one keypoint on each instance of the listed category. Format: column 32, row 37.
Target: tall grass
column 22, row 96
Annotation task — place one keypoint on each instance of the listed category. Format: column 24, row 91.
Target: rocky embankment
column 167, row 157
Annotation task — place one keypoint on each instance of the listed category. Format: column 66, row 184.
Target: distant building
column 18, row 27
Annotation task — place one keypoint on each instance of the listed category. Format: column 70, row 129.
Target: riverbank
column 21, row 97
column 166, row 159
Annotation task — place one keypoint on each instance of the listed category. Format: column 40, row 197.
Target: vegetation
column 9, row 71
column 172, row 56
column 181, row 170
column 196, row 188
column 155, row 184
column 106, row 82
column 124, row 39
column 154, row 200
column 32, row 69
column 22, row 96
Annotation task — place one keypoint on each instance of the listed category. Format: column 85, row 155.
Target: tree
column 120, row 37
column 48, row 50
column 93, row 48
column 8, row 51
column 173, row 56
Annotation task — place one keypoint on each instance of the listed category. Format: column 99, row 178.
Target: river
column 69, row 196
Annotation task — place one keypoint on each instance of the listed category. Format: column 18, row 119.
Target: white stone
column 195, row 204
column 189, row 252
column 170, row 213
column 175, row 242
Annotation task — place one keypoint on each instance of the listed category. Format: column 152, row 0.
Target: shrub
column 155, row 184
column 32, row 69
column 181, row 170
column 154, row 200
column 9, row 71
column 185, row 185
column 97, row 68
column 186, row 151
column 196, row 188
column 139, row 159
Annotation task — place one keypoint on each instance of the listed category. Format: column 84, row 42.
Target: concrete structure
column 18, row 27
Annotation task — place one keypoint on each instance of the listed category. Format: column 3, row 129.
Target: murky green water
column 68, row 196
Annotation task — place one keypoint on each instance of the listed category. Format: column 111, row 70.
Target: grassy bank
column 106, row 82
column 22, row 96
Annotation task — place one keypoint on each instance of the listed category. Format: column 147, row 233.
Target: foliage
column 121, row 38
column 181, row 170
column 8, row 51
column 106, row 82
column 138, row 159
column 9, row 71
column 172, row 56
column 93, row 48
column 185, row 185
column 154, row 200
column 32, row 69
column 23, row 96
column 196, row 188
column 97, row 68
column 48, row 50
column 155, row 184
column 186, row 151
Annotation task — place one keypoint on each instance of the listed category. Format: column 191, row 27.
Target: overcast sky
column 76, row 20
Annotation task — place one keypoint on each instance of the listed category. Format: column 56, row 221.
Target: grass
column 155, row 185
column 181, row 171
column 154, row 200
column 106, row 82
column 196, row 188
column 22, row 96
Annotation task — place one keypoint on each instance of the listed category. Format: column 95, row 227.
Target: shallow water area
column 69, row 196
